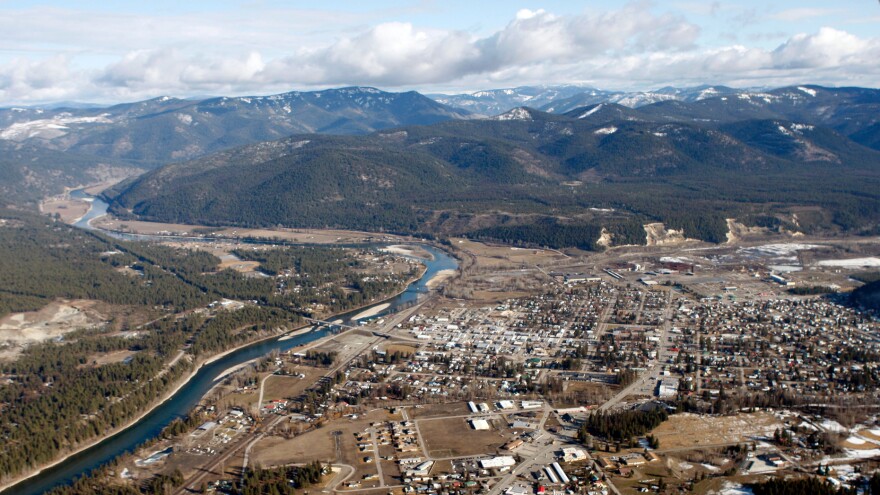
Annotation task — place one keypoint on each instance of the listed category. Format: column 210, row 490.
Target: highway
column 644, row 384
column 246, row 442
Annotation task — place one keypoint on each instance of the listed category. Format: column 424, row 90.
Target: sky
column 106, row 52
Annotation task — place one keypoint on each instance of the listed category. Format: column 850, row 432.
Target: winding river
column 206, row 377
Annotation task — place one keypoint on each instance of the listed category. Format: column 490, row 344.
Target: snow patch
column 515, row 114
column 606, row 130
column 776, row 250
column 853, row 262
column 670, row 259
column 592, row 111
column 48, row 128
column 831, row 425
column 731, row 488
column 707, row 93
column 811, row 92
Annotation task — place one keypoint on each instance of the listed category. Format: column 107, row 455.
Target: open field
column 283, row 387
column 454, row 437
column 69, row 210
column 111, row 357
column 691, row 430
column 315, row 444
column 491, row 255
column 401, row 348
column 304, row 236
column 439, row 410
column 487, row 296
column 334, row 441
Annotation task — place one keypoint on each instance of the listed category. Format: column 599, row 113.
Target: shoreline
column 159, row 401
column 170, row 394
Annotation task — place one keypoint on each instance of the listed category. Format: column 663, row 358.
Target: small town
column 625, row 374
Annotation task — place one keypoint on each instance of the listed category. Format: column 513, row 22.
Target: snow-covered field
column 731, row 488
column 785, row 268
column 48, row 128
column 776, row 250
column 853, row 262
column 831, row 425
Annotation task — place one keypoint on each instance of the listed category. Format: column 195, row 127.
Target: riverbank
column 439, row 278
column 183, row 382
column 116, row 431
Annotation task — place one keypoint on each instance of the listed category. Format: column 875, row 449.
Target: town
column 646, row 371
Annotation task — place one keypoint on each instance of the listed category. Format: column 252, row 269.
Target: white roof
column 497, row 462
column 480, row 424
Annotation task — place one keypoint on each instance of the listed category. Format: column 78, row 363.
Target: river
column 190, row 394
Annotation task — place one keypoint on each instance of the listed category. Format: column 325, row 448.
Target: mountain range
column 150, row 133
column 802, row 157
column 533, row 177
column 564, row 98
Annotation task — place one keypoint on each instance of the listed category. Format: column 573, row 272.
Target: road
column 543, row 456
column 376, row 459
column 646, row 382
column 247, row 441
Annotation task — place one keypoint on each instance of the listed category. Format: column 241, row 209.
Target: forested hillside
column 56, row 395
column 44, row 150
column 530, row 177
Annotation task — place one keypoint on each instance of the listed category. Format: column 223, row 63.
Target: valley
column 534, row 342
column 413, row 247
column 424, row 296
column 275, row 411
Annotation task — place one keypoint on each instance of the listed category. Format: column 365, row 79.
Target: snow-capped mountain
column 167, row 129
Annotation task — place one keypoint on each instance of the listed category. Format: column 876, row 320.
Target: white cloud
column 827, row 48
column 631, row 47
column 401, row 54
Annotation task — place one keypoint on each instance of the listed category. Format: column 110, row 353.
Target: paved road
column 542, row 456
column 247, row 441
column 645, row 383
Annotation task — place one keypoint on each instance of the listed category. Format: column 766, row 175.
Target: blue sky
column 122, row 51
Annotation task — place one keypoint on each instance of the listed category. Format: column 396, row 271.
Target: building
column 513, row 445
column 479, row 424
column 668, row 387
column 779, row 279
column 573, row 454
column 504, row 461
column 580, row 278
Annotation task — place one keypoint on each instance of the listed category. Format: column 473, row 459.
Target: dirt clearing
column 691, row 430
column 454, row 437
column 53, row 321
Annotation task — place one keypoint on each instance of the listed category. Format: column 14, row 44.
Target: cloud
column 402, row 54
column 827, row 48
column 628, row 48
